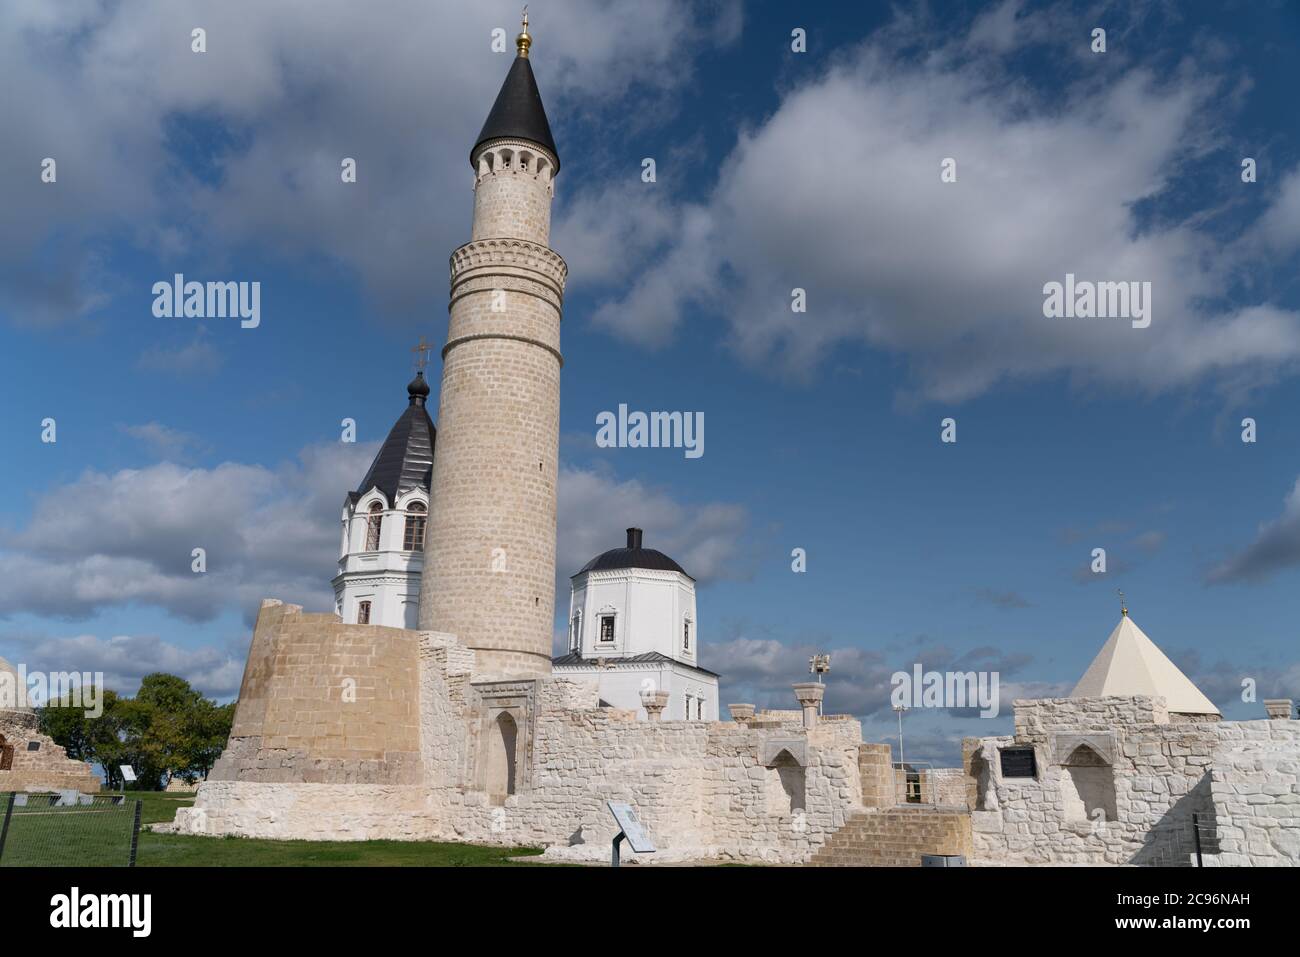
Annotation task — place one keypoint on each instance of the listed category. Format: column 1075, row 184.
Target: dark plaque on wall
column 33, row 745
column 1018, row 762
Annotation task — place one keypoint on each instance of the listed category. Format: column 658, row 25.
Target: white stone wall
column 1255, row 782
column 704, row 789
column 1154, row 776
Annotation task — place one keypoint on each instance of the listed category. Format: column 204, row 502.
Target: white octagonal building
column 633, row 628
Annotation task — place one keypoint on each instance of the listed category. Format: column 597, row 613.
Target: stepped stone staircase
column 896, row 837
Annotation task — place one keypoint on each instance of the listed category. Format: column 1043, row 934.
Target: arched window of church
column 373, row 526
column 363, row 613
column 686, row 635
column 413, row 540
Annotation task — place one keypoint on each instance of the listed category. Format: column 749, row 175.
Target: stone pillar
column 810, row 695
column 1279, row 709
column 876, row 773
column 741, row 712
column 654, row 703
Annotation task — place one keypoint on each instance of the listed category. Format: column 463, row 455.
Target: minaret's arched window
column 374, row 525
column 413, row 539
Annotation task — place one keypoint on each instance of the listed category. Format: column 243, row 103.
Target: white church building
column 382, row 551
column 633, row 627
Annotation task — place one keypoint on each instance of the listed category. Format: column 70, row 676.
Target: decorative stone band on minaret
column 489, row 571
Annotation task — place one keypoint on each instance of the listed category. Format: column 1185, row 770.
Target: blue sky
column 775, row 170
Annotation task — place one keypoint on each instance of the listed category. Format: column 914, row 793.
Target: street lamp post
column 900, row 709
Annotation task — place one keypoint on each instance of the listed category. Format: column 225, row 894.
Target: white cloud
column 1280, row 225
column 111, row 539
column 127, row 537
column 285, row 90
column 595, row 509
column 839, row 193
column 163, row 439
column 1276, row 548
column 125, row 659
column 195, row 358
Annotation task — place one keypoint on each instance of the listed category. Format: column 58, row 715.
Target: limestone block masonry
column 764, row 790
column 325, row 702
column 1118, row 780
column 46, row 767
column 489, row 574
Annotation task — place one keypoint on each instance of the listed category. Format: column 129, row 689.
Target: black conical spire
column 405, row 460
column 518, row 112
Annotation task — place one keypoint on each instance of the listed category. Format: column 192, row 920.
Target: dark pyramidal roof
column 518, row 112
column 405, row 460
column 633, row 556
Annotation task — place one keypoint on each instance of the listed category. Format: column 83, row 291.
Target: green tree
column 167, row 730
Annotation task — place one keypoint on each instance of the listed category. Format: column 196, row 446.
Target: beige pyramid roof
column 1130, row 664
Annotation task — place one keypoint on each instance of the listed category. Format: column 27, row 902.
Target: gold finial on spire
column 1123, row 605
column 524, row 41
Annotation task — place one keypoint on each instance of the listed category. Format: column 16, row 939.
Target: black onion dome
column 518, row 112
column 417, row 388
column 633, row 556
column 405, row 460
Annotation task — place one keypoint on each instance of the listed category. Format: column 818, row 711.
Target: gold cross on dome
column 421, row 359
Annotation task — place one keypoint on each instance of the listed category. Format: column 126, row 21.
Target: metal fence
column 914, row 783
column 68, row 829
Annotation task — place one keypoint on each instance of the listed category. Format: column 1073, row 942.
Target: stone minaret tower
column 489, row 571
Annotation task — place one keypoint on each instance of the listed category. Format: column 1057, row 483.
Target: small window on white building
column 689, row 699
column 606, row 627
column 413, row 539
column 374, row 524
column 575, row 632
column 686, row 635
column 363, row 613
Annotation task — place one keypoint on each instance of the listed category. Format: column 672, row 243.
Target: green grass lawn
column 100, row 838
column 173, row 850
